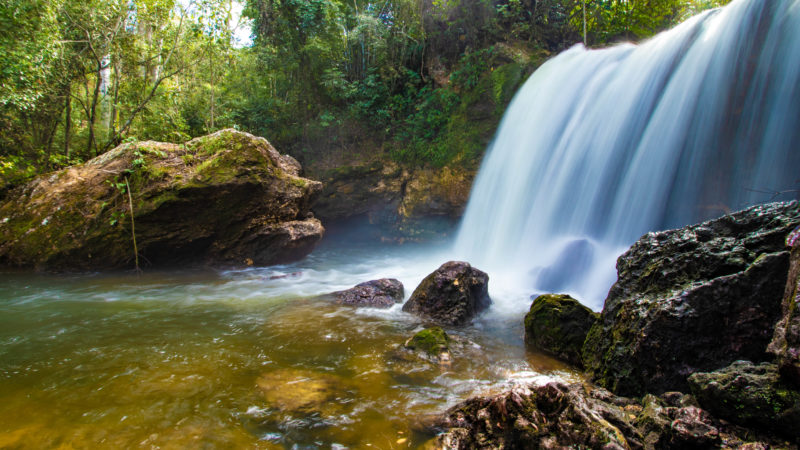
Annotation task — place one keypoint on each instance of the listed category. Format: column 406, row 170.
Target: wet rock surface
column 692, row 299
column 557, row 324
column 786, row 341
column 452, row 295
column 559, row 415
column 751, row 395
column 382, row 293
column 229, row 197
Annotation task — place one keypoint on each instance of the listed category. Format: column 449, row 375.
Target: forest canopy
column 79, row 77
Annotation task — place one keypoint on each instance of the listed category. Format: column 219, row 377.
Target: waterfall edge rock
column 453, row 294
column 692, row 299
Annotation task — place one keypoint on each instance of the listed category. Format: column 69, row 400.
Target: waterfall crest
column 601, row 146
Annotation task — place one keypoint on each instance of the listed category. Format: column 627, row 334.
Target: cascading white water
column 601, row 146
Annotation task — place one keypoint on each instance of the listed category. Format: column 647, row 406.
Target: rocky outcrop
column 229, row 197
column 750, row 395
column 691, row 300
column 452, row 295
column 382, row 293
column 558, row 415
column 557, row 325
column 786, row 342
column 419, row 203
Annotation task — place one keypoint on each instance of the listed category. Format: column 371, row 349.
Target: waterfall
column 601, row 146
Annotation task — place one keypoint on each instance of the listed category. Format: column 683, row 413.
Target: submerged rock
column 452, row 295
column 229, row 197
column 786, row 342
column 750, row 395
column 692, row 299
column 301, row 391
column 557, row 325
column 382, row 293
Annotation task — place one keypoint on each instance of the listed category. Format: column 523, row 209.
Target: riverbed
column 242, row 358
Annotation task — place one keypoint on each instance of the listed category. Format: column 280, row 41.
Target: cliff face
column 229, row 197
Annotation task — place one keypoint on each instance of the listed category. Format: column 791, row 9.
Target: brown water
column 235, row 359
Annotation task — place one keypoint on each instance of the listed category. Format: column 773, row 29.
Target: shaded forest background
column 419, row 82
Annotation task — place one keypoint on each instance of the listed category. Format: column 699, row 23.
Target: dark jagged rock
column 558, row 324
column 382, row 293
column 557, row 415
column 786, row 342
column 550, row 416
column 750, row 395
column 229, row 197
column 692, row 299
column 452, row 295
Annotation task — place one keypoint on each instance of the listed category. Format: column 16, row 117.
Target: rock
column 432, row 342
column 229, row 197
column 381, row 293
column 693, row 428
column 558, row 324
column 301, row 391
column 452, row 295
column 402, row 203
column 750, row 394
column 786, row 341
column 692, row 299
column 555, row 415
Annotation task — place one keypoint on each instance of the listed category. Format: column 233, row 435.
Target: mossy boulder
column 750, row 395
column 557, row 325
column 229, row 197
column 786, row 341
column 692, row 300
column 433, row 342
column 452, row 295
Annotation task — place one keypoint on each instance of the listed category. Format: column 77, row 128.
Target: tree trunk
column 93, row 111
column 68, row 121
column 584, row 22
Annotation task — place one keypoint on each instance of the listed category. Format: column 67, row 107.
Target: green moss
column 299, row 182
column 433, row 341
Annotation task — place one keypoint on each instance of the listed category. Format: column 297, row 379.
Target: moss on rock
column 558, row 324
column 218, row 198
column 431, row 341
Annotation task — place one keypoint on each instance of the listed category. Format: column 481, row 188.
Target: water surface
column 246, row 358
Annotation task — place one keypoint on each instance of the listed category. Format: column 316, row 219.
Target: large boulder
column 692, row 299
column 229, row 197
column 786, row 342
column 382, row 293
column 750, row 395
column 557, row 325
column 452, row 295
